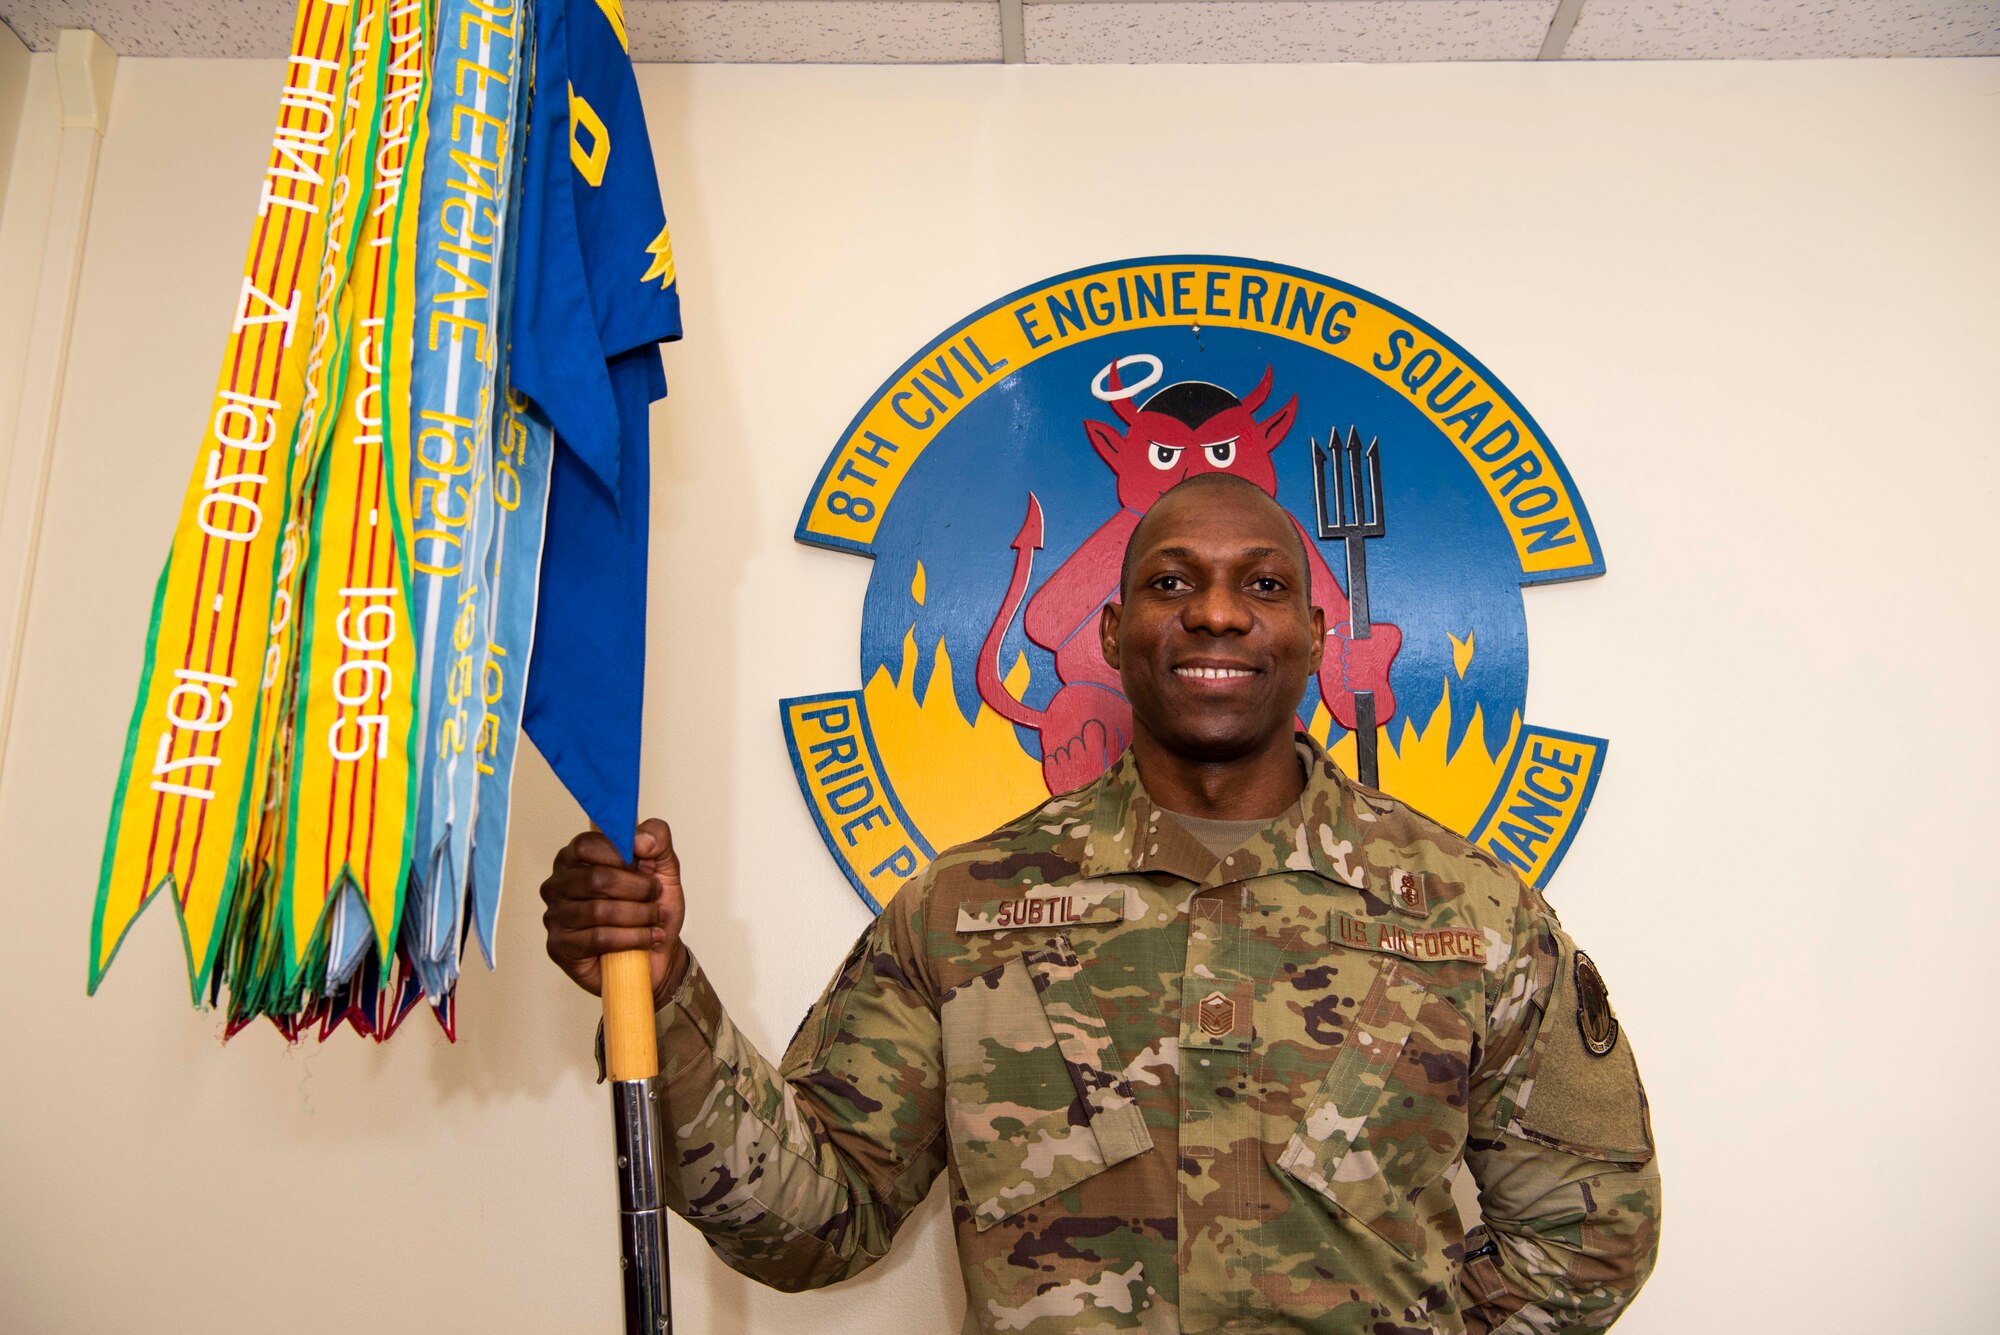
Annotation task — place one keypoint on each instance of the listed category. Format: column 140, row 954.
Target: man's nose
column 1216, row 609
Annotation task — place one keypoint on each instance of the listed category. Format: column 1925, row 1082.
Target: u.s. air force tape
column 1428, row 944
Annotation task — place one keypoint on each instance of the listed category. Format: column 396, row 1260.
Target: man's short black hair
column 1202, row 480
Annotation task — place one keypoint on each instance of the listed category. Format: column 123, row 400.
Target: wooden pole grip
column 630, row 1050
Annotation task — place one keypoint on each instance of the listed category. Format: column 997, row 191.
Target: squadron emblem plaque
column 996, row 475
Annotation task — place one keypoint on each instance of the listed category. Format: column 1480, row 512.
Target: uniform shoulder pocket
column 1582, row 1092
column 1035, row 1097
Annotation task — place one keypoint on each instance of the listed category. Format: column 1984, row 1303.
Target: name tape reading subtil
column 1047, row 910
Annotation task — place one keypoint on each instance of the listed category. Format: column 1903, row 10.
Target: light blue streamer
column 469, row 166
column 524, row 451
column 515, row 572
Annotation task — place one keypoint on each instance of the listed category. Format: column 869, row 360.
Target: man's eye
column 1170, row 583
column 1270, row 584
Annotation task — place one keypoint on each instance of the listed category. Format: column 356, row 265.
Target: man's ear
column 1319, row 640
column 1107, row 633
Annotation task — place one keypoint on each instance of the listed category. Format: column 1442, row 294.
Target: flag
column 596, row 295
column 418, row 519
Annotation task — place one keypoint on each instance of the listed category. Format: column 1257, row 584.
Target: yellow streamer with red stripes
column 198, row 737
column 347, row 821
column 329, row 364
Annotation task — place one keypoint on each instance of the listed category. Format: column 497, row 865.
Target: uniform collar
column 1321, row 833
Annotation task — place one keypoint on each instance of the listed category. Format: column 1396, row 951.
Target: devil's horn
column 1121, row 402
column 1256, row 397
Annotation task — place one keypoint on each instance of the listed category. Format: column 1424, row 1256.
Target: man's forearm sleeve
column 800, row 1176
column 1563, row 1155
column 1575, row 1242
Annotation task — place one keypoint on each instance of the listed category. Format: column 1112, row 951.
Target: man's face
column 1217, row 634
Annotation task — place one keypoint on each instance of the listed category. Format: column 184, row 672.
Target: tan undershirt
column 1222, row 837
column 1219, row 836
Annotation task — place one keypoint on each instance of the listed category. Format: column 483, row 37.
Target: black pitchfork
column 1356, row 517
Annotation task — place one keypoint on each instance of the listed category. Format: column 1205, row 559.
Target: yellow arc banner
column 183, row 803
column 1395, row 350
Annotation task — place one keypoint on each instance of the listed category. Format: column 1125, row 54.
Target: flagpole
column 639, row 1115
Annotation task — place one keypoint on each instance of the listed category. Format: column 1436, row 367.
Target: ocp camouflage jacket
column 1180, row 1093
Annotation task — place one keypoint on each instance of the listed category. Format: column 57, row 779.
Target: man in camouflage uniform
column 1200, row 1047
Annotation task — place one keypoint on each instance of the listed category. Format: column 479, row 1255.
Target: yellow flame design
column 1451, row 787
column 917, row 585
column 957, row 780
column 1461, row 653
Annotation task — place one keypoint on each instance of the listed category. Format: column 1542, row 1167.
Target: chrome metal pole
column 639, row 1111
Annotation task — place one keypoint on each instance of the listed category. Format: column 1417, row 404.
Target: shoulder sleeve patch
column 1594, row 1019
column 1583, row 1092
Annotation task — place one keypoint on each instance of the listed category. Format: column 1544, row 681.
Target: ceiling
column 1137, row 31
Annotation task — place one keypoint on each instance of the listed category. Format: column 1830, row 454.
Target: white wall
column 1752, row 305
column 13, row 97
column 30, row 117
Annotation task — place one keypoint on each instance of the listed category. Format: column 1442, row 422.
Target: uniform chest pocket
column 1035, row 1098
column 1390, row 1116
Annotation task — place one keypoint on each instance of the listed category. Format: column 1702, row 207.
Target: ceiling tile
column 801, row 31
column 1132, row 31
column 880, row 32
column 1783, row 29
column 1139, row 32
column 160, row 27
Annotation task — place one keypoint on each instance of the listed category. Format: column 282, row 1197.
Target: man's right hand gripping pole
column 615, row 930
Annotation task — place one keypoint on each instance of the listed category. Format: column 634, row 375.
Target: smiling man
column 1200, row 1047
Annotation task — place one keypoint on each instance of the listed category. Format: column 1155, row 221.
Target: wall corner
column 85, row 69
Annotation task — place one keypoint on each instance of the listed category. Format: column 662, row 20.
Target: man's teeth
column 1213, row 673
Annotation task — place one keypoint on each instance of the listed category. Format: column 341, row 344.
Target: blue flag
column 594, row 297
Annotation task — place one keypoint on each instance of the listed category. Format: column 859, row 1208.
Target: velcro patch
column 1425, row 945
column 1065, row 908
column 1218, row 1015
